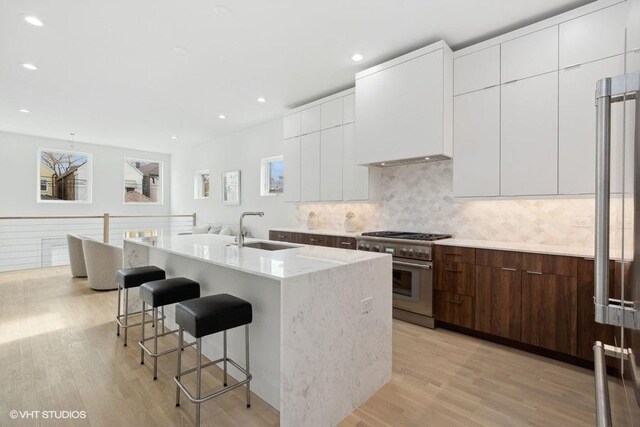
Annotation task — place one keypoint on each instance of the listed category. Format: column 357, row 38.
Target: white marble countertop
column 327, row 232
column 281, row 264
column 585, row 252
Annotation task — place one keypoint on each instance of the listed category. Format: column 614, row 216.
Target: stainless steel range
column 412, row 271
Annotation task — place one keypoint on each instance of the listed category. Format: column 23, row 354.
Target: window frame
column 265, row 171
column 160, row 176
column 89, row 164
column 198, row 188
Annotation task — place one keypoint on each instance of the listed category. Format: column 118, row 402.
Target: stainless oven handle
column 410, row 264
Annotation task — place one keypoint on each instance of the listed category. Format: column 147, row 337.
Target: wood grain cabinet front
column 498, row 301
column 454, row 308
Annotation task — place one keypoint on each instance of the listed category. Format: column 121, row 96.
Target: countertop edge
column 538, row 248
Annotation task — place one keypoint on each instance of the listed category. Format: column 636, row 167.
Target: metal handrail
column 105, row 219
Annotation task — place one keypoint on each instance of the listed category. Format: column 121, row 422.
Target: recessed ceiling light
column 30, row 66
column 427, row 158
column 34, row 20
column 262, row 100
column 356, row 57
column 222, row 116
column 382, row 164
column 174, row 137
column 221, row 11
column 24, row 110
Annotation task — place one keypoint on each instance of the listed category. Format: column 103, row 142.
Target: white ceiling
column 109, row 70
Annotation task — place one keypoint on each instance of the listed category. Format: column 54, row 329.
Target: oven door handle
column 410, row 264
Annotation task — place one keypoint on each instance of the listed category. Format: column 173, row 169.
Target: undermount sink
column 268, row 246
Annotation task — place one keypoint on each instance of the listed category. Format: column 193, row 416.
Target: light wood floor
column 59, row 351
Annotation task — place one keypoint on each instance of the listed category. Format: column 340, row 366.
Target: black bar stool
column 132, row 278
column 158, row 294
column 205, row 316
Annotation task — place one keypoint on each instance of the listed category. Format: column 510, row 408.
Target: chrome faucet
column 240, row 232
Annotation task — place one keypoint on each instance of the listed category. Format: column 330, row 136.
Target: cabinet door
column 476, row 147
column 593, row 36
column 355, row 178
column 453, row 308
column 529, row 146
column 529, row 55
column 499, row 301
column 476, row 70
column 291, row 153
column 310, row 120
column 455, row 278
column 577, row 127
column 633, row 61
column 401, row 111
column 310, row 167
column 291, row 124
column 331, row 114
column 349, row 108
column 331, row 164
column 549, row 311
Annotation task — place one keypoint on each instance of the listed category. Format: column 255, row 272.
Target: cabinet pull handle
column 489, row 87
column 508, row 269
column 533, row 272
column 637, row 49
column 510, row 81
column 454, row 301
column 452, row 270
column 345, row 243
column 281, row 236
column 569, row 67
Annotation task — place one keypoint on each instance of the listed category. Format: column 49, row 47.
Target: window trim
column 197, row 182
column 89, row 157
column 160, row 175
column 264, row 176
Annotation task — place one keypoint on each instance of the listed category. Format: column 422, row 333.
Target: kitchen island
column 321, row 332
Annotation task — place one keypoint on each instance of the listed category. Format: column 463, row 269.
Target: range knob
column 410, row 252
column 367, row 247
column 403, row 251
column 376, row 248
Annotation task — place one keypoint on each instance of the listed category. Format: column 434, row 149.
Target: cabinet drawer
column 315, row 239
column 345, row 242
column 454, row 308
column 451, row 255
column 551, row 264
column 456, row 278
column 281, row 236
column 502, row 259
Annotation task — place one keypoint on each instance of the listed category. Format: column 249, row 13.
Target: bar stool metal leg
column 198, row 378
column 119, row 303
column 180, row 334
column 126, row 314
column 162, row 318
column 224, row 346
column 155, row 344
column 246, row 339
column 142, row 333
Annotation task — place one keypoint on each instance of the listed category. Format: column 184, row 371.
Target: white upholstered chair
column 76, row 256
column 103, row 261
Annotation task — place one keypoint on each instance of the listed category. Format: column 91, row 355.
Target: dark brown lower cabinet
column 549, row 311
column 498, row 304
column 454, row 308
column 343, row 242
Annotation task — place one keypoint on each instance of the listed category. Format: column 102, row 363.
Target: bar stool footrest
column 219, row 391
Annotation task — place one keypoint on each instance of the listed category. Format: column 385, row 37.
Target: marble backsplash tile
column 419, row 198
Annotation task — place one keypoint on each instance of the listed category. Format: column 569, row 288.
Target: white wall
column 18, row 178
column 242, row 150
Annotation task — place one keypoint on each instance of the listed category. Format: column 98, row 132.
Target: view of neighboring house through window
column 201, row 184
column 272, row 173
column 142, row 181
column 64, row 176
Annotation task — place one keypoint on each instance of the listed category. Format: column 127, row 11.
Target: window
column 272, row 176
column 64, row 176
column 142, row 181
column 201, row 185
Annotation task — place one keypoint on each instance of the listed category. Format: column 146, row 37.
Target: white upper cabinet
column 331, row 164
column 291, row 124
column 355, row 178
column 477, row 70
column 310, row 120
column 331, row 114
column 404, row 107
column 529, row 141
column 633, row 28
column 349, row 108
column 476, row 147
column 291, row 153
column 530, row 55
column 577, row 125
column 310, row 167
column 593, row 36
